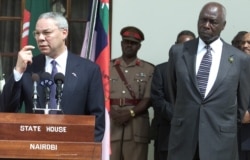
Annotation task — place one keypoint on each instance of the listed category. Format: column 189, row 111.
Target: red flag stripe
column 26, row 24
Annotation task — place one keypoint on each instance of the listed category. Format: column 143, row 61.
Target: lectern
column 39, row 136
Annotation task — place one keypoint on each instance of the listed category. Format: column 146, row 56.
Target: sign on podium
column 40, row 136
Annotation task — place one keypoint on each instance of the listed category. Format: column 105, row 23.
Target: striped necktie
column 203, row 72
column 53, row 87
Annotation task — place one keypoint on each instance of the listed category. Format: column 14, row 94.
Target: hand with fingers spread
column 24, row 58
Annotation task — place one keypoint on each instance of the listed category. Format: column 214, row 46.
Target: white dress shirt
column 61, row 62
column 216, row 51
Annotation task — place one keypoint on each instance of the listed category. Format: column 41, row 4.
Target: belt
column 124, row 102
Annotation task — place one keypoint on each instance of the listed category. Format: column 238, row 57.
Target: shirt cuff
column 17, row 75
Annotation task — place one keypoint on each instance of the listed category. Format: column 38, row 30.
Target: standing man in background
column 209, row 88
column 82, row 88
column 245, row 43
column 130, row 83
column 236, row 42
column 163, row 110
column 244, row 129
column 184, row 36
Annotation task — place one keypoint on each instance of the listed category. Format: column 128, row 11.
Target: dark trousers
column 161, row 155
column 196, row 156
column 244, row 155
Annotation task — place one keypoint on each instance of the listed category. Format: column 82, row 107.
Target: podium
column 39, row 136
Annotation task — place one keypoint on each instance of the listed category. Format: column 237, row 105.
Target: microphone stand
column 59, row 96
column 47, row 110
column 35, row 78
column 35, row 97
column 59, row 79
column 47, row 98
column 47, row 93
column 46, row 83
column 58, row 106
column 35, row 103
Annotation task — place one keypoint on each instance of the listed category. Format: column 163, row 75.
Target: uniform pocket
column 141, row 128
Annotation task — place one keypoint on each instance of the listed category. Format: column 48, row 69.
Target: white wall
column 162, row 20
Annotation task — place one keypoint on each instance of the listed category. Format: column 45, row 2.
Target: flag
column 100, row 54
column 33, row 8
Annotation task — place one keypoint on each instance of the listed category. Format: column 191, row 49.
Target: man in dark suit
column 206, row 122
column 243, row 39
column 82, row 88
column 163, row 110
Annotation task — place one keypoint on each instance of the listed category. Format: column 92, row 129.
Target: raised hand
column 24, row 58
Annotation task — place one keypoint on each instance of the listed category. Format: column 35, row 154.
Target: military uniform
column 139, row 77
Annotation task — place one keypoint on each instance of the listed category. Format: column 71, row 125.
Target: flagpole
column 92, row 28
column 1, row 69
column 2, row 80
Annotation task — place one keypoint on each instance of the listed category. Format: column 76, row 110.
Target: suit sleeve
column 171, row 78
column 244, row 88
column 95, row 103
column 11, row 96
column 161, row 106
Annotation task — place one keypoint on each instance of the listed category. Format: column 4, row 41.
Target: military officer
column 130, row 82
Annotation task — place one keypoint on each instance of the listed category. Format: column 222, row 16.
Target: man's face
column 50, row 39
column 130, row 48
column 211, row 22
column 245, row 43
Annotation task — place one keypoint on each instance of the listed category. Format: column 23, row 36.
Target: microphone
column 59, row 80
column 35, row 78
column 46, row 82
column 46, row 79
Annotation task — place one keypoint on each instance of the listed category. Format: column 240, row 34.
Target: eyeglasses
column 45, row 33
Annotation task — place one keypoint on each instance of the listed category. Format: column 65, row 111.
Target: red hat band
column 132, row 34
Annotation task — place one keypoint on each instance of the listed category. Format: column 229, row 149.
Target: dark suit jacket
column 212, row 122
column 82, row 91
column 162, row 108
column 244, row 137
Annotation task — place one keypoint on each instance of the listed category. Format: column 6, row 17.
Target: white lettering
column 27, row 128
column 58, row 129
column 52, row 147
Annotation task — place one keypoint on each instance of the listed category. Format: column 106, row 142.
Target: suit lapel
column 71, row 77
column 190, row 59
column 224, row 67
